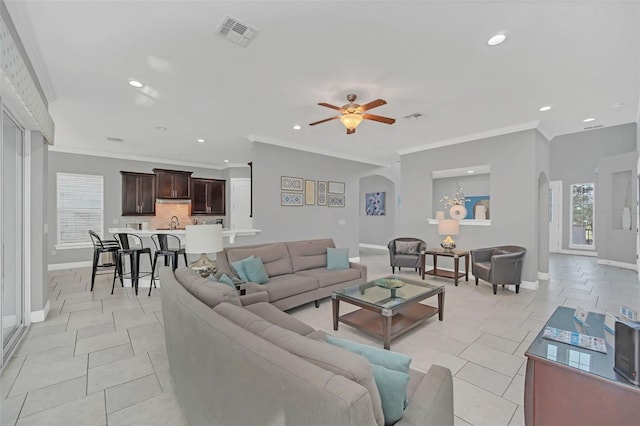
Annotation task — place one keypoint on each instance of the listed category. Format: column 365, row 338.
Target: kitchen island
column 180, row 232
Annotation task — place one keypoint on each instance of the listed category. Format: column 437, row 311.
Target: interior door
column 555, row 216
column 11, row 200
column 241, row 203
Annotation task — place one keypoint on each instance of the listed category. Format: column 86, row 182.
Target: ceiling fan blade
column 325, row 120
column 372, row 104
column 324, row 104
column 385, row 120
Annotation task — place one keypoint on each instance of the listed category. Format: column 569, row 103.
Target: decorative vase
column 626, row 218
column 458, row 212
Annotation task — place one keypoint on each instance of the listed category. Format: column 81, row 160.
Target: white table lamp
column 203, row 239
column 448, row 227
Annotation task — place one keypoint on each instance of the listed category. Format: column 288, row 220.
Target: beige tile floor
column 100, row 359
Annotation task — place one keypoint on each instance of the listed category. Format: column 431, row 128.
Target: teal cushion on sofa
column 238, row 267
column 337, row 258
column 392, row 387
column 255, row 271
column 390, row 371
column 227, row 280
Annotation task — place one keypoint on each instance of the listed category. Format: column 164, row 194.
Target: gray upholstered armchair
column 499, row 265
column 405, row 252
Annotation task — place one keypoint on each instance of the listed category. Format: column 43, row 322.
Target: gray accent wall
column 109, row 168
column 514, row 193
column 543, row 165
column 279, row 223
column 575, row 158
column 377, row 230
column 38, row 213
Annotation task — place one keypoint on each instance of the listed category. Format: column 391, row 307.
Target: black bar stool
column 169, row 247
column 131, row 245
column 101, row 246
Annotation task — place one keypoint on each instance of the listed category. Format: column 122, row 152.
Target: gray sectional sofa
column 245, row 362
column 297, row 271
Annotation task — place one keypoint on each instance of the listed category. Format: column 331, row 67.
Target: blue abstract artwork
column 478, row 207
column 374, row 202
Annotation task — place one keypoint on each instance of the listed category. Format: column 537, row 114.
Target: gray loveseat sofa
column 297, row 271
column 246, row 363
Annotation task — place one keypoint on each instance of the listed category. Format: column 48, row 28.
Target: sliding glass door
column 12, row 206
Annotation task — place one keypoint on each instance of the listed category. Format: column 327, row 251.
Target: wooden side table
column 455, row 254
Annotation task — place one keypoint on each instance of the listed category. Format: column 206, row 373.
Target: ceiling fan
column 352, row 114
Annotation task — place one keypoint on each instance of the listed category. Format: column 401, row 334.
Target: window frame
column 100, row 228
column 579, row 246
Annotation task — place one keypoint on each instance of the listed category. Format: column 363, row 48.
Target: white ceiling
column 420, row 56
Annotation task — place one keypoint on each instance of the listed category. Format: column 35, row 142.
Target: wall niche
column 475, row 184
column 621, row 197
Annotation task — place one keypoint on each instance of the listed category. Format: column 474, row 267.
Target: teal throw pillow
column 255, row 270
column 337, row 258
column 390, row 372
column 227, row 280
column 238, row 267
column 388, row 359
column 392, row 387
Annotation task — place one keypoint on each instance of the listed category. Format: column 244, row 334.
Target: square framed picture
column 336, row 187
column 288, row 183
column 291, row 199
column 310, row 192
column 321, row 189
column 335, row 200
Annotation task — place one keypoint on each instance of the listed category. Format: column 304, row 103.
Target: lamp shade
column 448, row 227
column 203, row 239
column 351, row 120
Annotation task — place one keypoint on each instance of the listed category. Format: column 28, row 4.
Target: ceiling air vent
column 235, row 31
column 593, row 127
column 112, row 139
column 414, row 116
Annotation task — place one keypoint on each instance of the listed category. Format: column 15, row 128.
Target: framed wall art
column 288, row 183
column 336, row 187
column 335, row 200
column 291, row 198
column 374, row 204
column 310, row 192
column 321, row 189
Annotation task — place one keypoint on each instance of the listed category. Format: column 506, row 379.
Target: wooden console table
column 569, row 385
column 455, row 254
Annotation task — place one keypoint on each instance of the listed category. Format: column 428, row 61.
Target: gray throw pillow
column 407, row 247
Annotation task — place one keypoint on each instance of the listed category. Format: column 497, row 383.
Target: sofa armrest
column 432, row 403
column 251, row 298
column 361, row 267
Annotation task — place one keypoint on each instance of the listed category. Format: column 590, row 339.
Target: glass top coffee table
column 389, row 307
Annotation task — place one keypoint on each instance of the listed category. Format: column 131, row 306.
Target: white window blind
column 80, row 208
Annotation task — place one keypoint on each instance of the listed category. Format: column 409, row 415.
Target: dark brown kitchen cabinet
column 173, row 184
column 138, row 194
column 208, row 197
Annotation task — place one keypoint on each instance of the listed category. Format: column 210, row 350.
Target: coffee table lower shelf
column 373, row 323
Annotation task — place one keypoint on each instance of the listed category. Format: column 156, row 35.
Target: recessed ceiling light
column 496, row 39
column 226, row 161
column 586, row 120
column 135, row 83
column 545, row 108
column 470, row 171
column 201, row 140
column 160, row 128
column 296, row 127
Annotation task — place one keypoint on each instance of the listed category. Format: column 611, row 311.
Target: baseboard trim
column 373, row 246
column 579, row 252
column 624, row 265
column 39, row 316
column 543, row 275
column 70, row 265
column 529, row 285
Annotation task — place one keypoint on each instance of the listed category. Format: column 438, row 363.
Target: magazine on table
column 597, row 344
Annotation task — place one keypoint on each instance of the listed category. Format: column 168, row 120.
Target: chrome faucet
column 174, row 223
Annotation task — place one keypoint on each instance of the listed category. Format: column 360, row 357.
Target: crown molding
column 472, row 137
column 273, row 141
column 80, row 151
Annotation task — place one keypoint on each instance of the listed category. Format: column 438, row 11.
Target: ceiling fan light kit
column 352, row 114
